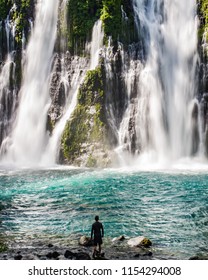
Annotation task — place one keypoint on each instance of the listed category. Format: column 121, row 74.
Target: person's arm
column 92, row 232
column 102, row 230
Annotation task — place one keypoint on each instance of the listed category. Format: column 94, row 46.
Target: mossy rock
column 203, row 16
column 87, row 125
column 139, row 241
column 146, row 243
column 5, row 6
column 3, row 245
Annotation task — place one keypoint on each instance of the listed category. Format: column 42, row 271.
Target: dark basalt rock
column 53, row 255
column 82, row 256
column 69, row 255
column 18, row 257
column 199, row 257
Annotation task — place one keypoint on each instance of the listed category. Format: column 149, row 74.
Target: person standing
column 98, row 232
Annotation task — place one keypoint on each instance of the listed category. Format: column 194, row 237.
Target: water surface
column 168, row 207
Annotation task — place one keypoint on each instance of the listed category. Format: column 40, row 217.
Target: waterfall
column 96, row 44
column 78, row 68
column 8, row 90
column 165, row 110
column 29, row 137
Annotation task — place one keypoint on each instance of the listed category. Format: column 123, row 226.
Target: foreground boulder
column 85, row 241
column 139, row 241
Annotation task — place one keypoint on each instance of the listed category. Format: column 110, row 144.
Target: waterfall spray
column 8, row 91
column 29, row 137
column 166, row 84
column 79, row 66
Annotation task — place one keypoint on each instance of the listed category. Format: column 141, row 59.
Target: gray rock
column 85, row 241
column 139, row 241
column 82, row 256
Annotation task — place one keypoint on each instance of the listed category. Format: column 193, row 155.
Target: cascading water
column 8, row 90
column 165, row 113
column 78, row 69
column 29, row 136
column 96, row 44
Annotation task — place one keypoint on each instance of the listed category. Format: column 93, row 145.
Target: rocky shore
column 118, row 248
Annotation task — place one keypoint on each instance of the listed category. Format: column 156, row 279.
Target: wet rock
column 18, row 257
column 119, row 238
column 139, row 241
column 69, row 255
column 199, row 257
column 82, row 256
column 53, row 255
column 49, row 255
column 85, row 241
column 195, row 258
column 148, row 254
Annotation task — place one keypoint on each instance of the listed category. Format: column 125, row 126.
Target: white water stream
column 79, row 66
column 29, row 138
column 166, row 84
column 96, row 44
column 8, row 92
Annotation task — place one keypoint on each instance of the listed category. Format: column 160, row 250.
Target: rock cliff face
column 91, row 133
column 88, row 138
column 203, row 68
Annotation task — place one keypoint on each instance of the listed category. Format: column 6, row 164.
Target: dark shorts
column 97, row 240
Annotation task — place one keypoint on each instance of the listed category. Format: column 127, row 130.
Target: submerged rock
column 139, row 241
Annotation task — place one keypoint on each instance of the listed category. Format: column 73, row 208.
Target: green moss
column 82, row 15
column 23, row 12
column 75, row 133
column 203, row 15
column 112, row 18
column 87, row 125
column 91, row 161
column 91, row 91
column 5, row 6
column 146, row 243
column 3, row 246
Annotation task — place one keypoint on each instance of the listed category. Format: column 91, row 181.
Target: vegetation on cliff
column 86, row 129
column 21, row 13
column 5, row 6
column 116, row 15
column 203, row 17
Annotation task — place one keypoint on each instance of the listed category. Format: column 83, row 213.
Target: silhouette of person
column 98, row 232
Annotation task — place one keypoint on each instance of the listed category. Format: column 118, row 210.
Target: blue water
column 171, row 208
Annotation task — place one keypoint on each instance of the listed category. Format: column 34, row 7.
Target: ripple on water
column 171, row 209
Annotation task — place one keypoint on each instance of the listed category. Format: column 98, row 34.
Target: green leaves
column 5, row 6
